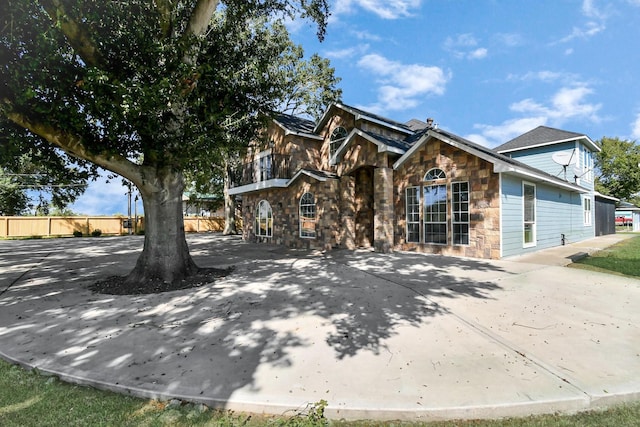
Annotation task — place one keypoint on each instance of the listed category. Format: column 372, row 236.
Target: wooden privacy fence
column 27, row 226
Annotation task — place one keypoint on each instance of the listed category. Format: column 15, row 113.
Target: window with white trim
column 307, row 216
column 460, row 213
column 433, row 174
column 586, row 207
column 413, row 214
column 435, row 214
column 337, row 136
column 264, row 219
column 529, row 214
column 264, row 167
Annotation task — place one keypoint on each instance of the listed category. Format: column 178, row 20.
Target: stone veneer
column 484, row 199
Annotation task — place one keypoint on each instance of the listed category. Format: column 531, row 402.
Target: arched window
column 434, row 174
column 307, row 216
column 337, row 136
column 264, row 219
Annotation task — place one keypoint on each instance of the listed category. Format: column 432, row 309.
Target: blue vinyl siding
column 558, row 212
column 540, row 158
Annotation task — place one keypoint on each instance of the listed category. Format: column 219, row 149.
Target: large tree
column 618, row 168
column 144, row 89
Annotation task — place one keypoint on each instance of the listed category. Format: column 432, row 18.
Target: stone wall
column 285, row 203
column 484, row 200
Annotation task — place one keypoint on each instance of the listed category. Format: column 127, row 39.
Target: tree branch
column 164, row 8
column 74, row 145
column 76, row 33
column 201, row 17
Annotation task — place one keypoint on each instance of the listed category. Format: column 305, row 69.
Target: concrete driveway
column 384, row 336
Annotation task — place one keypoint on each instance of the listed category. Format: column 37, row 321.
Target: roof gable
column 501, row 163
column 541, row 136
column 362, row 115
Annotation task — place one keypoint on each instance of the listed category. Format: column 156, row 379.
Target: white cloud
column 349, row 52
column 103, row 198
column 509, row 39
column 366, row 35
column 589, row 30
column 386, row 9
column 402, row 85
column 464, row 46
column 543, row 76
column 568, row 103
column 635, row 126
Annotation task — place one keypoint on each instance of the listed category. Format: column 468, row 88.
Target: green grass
column 30, row 399
column 622, row 259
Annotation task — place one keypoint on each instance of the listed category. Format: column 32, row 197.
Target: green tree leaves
column 618, row 166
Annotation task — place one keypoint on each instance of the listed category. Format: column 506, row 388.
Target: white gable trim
column 358, row 116
column 499, row 166
column 588, row 140
column 262, row 185
column 382, row 147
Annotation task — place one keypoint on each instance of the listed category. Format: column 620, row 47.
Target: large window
column 586, row 205
column 435, row 214
column 460, row 212
column 264, row 219
column 337, row 136
column 529, row 214
column 307, row 216
column 413, row 214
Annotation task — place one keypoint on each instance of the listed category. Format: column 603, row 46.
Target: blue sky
column 488, row 70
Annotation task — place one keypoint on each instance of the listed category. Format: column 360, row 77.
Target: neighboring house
column 358, row 180
column 628, row 214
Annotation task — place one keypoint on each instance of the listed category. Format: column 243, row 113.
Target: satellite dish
column 564, row 158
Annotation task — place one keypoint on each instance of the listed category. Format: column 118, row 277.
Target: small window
column 434, row 174
column 307, row 216
column 586, row 204
column 264, row 166
column 413, row 214
column 337, row 136
column 264, row 219
column 529, row 214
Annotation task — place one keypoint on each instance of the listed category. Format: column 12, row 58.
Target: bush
column 77, row 233
column 96, row 233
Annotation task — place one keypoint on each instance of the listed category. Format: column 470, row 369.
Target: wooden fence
column 32, row 226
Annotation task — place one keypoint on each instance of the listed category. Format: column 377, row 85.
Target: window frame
column 531, row 222
column 428, row 216
column 264, row 172
column 413, row 212
column 434, row 174
column 460, row 212
column 267, row 220
column 303, row 210
column 587, row 213
column 338, row 135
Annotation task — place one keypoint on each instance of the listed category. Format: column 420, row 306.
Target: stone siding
column 484, row 199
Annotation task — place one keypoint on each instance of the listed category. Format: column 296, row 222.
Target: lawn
column 28, row 398
column 622, row 259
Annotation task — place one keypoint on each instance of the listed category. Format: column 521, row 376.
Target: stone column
column 346, row 235
column 383, row 208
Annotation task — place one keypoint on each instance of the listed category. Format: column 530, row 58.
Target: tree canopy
column 145, row 89
column 618, row 168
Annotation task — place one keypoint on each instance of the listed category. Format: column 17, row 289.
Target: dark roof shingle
column 538, row 136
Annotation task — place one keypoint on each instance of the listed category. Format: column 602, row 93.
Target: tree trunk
column 229, row 202
column 165, row 256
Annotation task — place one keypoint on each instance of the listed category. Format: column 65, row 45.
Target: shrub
column 97, row 232
column 77, row 233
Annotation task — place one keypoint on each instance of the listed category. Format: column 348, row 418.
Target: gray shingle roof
column 295, row 124
column 396, row 143
column 539, row 136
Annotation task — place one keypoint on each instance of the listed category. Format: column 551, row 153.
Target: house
column 628, row 215
column 359, row 180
